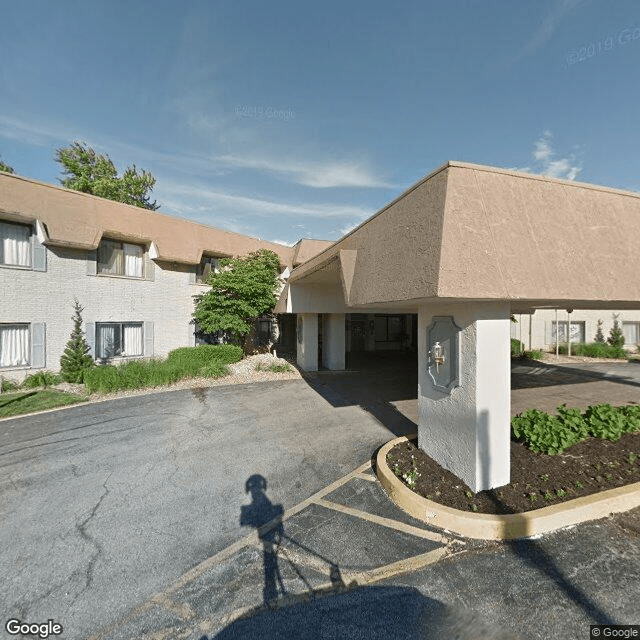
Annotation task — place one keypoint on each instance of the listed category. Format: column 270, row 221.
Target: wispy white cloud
column 195, row 198
column 545, row 31
column 547, row 163
column 345, row 173
column 284, row 242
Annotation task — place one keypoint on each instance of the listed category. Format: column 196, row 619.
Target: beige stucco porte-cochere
column 464, row 248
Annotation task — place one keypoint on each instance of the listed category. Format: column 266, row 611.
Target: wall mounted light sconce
column 443, row 353
column 437, row 353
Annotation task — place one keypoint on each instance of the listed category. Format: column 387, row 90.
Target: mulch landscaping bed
column 537, row 479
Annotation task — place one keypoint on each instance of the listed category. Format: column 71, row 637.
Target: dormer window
column 207, row 266
column 120, row 259
column 15, row 244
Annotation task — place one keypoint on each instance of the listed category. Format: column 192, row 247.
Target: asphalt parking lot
column 153, row 517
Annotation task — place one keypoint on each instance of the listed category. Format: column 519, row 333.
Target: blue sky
column 284, row 120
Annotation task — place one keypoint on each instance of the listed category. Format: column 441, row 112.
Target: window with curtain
column 207, row 266
column 15, row 244
column 631, row 333
column 120, row 259
column 15, row 349
column 118, row 339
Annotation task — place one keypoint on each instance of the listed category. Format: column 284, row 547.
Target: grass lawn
column 14, row 404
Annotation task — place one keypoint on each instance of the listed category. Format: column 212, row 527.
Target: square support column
column 333, row 341
column 307, row 341
column 467, row 429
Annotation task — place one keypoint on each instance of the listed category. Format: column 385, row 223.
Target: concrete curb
column 503, row 527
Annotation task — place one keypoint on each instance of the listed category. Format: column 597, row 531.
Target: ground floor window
column 118, row 339
column 577, row 332
column 631, row 333
column 14, row 345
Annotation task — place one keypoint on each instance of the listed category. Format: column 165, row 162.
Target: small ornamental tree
column 616, row 339
column 599, row 333
column 243, row 290
column 76, row 359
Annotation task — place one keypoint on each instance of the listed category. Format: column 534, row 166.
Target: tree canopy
column 6, row 167
column 243, row 290
column 95, row 173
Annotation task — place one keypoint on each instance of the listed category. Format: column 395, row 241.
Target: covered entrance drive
column 464, row 249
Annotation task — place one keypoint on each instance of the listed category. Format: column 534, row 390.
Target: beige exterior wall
column 31, row 297
column 541, row 321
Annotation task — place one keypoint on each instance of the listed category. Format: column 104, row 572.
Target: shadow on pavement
column 338, row 610
column 374, row 381
column 374, row 613
column 532, row 552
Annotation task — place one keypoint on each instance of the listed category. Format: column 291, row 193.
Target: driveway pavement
column 184, row 514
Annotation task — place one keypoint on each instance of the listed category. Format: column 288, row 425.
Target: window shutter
column 149, row 267
column 39, row 252
column 90, row 334
column 38, row 356
column 92, row 263
column 148, row 339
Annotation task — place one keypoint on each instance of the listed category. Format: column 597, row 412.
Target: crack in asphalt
column 81, row 529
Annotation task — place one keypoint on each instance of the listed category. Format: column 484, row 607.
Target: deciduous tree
column 95, row 173
column 243, row 290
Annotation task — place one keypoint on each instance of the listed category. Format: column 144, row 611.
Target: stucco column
column 333, row 343
column 307, row 341
column 467, row 430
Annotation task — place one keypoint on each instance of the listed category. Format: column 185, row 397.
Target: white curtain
column 132, row 340
column 630, row 333
column 16, row 244
column 14, row 345
column 106, row 340
column 132, row 260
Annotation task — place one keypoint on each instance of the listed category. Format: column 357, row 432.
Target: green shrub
column 607, row 422
column 275, row 367
column 593, row 350
column 551, row 434
column 9, row 385
column 517, row 347
column 534, row 354
column 139, row 374
column 206, row 354
column 40, row 379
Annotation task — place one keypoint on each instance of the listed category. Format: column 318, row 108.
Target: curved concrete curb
column 503, row 527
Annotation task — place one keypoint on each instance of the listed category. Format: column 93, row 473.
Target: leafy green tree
column 95, row 173
column 599, row 333
column 6, row 167
column 616, row 339
column 76, row 359
column 242, row 291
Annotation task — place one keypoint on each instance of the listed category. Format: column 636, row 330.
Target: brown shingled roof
column 80, row 220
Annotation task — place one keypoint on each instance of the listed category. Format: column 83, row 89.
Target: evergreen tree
column 599, row 333
column 76, row 359
column 616, row 339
